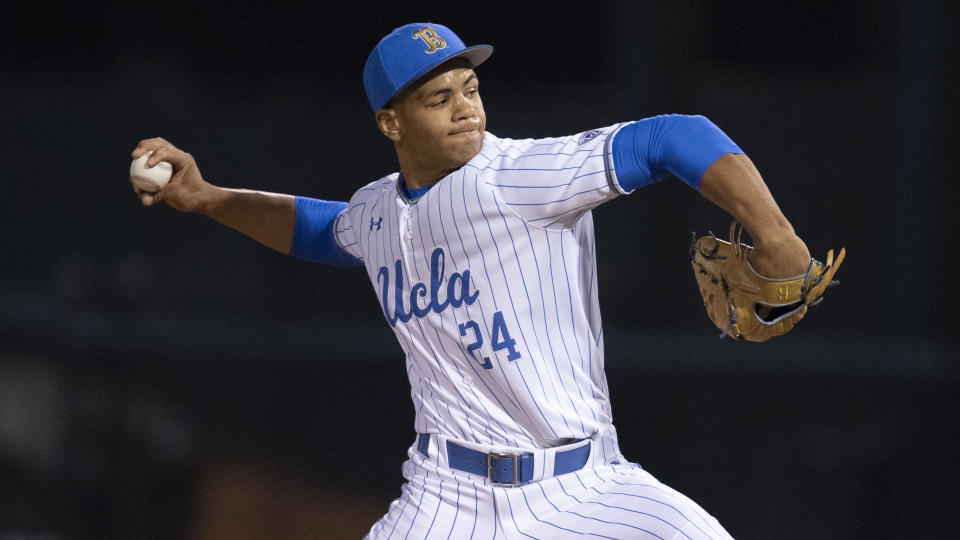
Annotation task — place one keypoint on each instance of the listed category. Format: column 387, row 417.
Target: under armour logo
column 429, row 36
column 376, row 223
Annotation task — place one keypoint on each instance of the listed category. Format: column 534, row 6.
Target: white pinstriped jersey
column 489, row 281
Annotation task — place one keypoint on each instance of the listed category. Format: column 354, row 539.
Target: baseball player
column 481, row 252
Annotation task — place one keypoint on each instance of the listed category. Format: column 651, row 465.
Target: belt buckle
column 490, row 458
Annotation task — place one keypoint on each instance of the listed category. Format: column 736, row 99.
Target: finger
column 150, row 198
column 147, row 197
column 178, row 158
column 148, row 145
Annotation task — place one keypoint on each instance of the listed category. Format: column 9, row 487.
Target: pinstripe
column 523, row 493
column 493, row 295
column 456, row 319
column 423, row 402
column 470, row 263
column 532, row 358
column 700, row 513
column 420, row 417
column 437, row 356
column 437, row 511
column 551, row 186
column 543, row 305
column 590, row 290
column 439, row 418
column 506, row 495
column 367, row 188
column 562, row 216
column 512, row 306
column 590, row 518
column 476, row 510
column 548, row 169
column 397, row 518
column 504, row 149
column 368, row 212
column 563, row 341
column 589, row 367
column 536, row 361
column 408, row 349
column 573, row 324
column 456, row 512
column 371, row 260
column 666, row 492
column 423, row 491
column 630, row 510
column 560, row 200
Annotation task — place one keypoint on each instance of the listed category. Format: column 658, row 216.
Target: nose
column 464, row 109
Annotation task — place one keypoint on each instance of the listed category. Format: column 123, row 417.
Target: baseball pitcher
column 481, row 252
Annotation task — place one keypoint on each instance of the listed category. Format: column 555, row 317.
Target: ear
column 389, row 124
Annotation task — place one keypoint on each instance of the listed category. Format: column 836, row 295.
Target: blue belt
column 500, row 468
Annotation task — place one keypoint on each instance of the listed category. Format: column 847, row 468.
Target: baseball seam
column 137, row 180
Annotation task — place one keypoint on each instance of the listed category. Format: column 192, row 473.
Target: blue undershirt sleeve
column 645, row 151
column 313, row 235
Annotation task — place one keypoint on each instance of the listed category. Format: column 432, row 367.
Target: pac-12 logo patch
column 430, row 37
column 588, row 135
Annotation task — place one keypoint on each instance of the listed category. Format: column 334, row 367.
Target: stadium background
column 164, row 377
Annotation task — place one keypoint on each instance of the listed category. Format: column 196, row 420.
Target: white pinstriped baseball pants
column 603, row 500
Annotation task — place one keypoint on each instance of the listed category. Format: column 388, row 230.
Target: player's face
column 442, row 122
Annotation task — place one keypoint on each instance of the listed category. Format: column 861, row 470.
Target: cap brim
column 476, row 55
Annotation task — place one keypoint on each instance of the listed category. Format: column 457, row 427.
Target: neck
column 414, row 181
column 417, row 176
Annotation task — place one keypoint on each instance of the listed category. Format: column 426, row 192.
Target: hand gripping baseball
column 186, row 191
column 742, row 302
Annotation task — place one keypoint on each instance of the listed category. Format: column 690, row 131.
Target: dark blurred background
column 164, row 377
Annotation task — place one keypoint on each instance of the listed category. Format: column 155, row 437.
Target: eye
column 438, row 104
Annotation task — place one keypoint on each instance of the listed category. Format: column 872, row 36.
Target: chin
column 470, row 149
column 458, row 157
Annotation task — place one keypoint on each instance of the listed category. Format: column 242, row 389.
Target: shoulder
column 375, row 189
column 584, row 140
column 498, row 152
column 369, row 196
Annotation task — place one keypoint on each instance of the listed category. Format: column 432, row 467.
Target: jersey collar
column 411, row 196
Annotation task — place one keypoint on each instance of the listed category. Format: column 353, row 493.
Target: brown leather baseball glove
column 745, row 304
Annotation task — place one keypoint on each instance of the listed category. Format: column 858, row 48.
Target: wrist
column 773, row 235
column 780, row 255
column 209, row 199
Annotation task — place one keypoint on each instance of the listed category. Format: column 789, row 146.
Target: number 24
column 500, row 340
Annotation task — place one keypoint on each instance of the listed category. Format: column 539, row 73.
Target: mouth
column 466, row 133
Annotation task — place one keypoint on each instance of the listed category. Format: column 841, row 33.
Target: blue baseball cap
column 410, row 52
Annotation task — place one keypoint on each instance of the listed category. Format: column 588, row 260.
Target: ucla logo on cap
column 431, row 38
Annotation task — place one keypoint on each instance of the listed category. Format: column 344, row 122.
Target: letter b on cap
column 430, row 37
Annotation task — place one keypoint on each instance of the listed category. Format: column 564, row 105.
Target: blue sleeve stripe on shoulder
column 313, row 235
column 645, row 151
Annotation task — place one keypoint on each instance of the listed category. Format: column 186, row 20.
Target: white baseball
column 149, row 179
